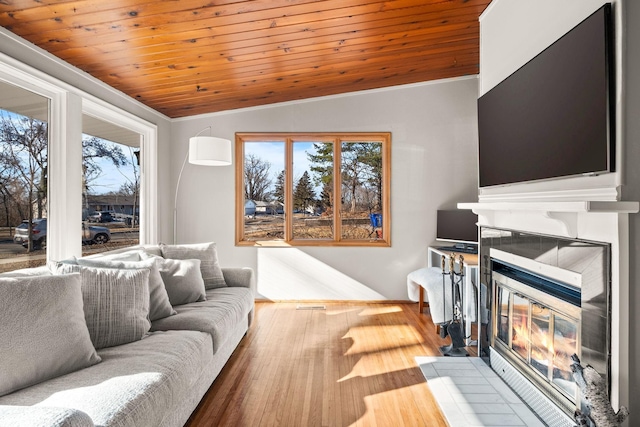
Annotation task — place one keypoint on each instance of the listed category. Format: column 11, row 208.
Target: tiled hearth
column 471, row 394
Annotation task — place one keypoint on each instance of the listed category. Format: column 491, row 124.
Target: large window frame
column 381, row 237
column 67, row 105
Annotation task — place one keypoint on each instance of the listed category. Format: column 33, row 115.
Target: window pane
column 24, row 138
column 312, row 190
column 111, row 186
column 564, row 346
column 520, row 327
column 540, row 338
column 503, row 314
column 264, row 183
column 322, row 189
column 361, row 198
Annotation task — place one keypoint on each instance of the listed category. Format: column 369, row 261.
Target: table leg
column 420, row 299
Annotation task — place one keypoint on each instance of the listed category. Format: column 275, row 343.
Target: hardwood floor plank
column 349, row 365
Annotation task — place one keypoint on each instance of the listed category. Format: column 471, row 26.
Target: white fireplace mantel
column 597, row 221
column 562, row 218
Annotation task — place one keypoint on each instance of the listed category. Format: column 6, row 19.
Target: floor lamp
column 205, row 151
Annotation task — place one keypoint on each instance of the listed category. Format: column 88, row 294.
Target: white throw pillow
column 208, row 256
column 182, row 280
column 43, row 333
column 159, row 305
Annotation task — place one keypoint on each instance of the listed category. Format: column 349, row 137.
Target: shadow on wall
column 290, row 274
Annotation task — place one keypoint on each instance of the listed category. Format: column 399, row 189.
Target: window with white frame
column 57, row 193
column 24, row 148
column 110, row 186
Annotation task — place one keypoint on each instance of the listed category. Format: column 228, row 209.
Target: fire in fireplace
column 538, row 328
column 549, row 300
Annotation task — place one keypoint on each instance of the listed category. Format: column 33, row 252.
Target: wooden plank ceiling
column 187, row 57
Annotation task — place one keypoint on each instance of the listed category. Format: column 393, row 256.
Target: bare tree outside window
column 111, row 195
column 111, row 199
column 24, row 162
column 313, row 189
column 24, row 139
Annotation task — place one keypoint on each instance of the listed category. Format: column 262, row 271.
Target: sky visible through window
column 112, row 178
column 273, row 152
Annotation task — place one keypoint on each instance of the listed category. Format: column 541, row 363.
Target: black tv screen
column 555, row 116
column 457, row 226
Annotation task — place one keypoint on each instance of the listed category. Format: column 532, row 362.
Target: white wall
column 512, row 33
column 434, row 139
column 631, row 191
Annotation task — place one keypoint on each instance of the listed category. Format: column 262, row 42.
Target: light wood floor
column 351, row 364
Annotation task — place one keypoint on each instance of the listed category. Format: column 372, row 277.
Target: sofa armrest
column 240, row 277
column 27, row 416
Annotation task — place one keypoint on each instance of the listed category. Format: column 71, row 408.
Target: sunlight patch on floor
column 403, row 336
column 383, row 309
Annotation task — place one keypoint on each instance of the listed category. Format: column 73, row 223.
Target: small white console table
column 471, row 280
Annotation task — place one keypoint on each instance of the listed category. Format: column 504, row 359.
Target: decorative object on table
column 205, row 151
column 596, row 410
column 454, row 328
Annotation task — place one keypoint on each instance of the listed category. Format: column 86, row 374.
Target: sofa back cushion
column 159, row 305
column 116, row 302
column 43, row 333
column 208, row 256
column 182, row 280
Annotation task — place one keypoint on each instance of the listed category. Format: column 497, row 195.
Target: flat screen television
column 457, row 226
column 555, row 116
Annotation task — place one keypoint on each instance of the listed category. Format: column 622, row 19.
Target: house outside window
column 313, row 189
column 110, row 186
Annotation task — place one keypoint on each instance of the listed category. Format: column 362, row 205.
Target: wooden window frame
column 288, row 138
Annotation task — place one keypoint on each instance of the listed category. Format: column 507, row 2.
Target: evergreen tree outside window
column 316, row 189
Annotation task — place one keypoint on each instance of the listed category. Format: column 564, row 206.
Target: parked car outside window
column 101, row 217
column 90, row 234
column 39, row 233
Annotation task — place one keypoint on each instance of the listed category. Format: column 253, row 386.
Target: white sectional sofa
column 161, row 372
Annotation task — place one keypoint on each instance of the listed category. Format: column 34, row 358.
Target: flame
column 542, row 343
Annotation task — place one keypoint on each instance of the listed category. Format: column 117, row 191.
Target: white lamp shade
column 209, row 151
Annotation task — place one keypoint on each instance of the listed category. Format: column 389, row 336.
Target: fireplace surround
column 585, row 239
column 545, row 311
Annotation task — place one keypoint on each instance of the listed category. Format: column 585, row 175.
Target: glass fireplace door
column 541, row 338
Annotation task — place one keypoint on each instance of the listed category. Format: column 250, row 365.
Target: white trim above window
column 67, row 106
column 148, row 162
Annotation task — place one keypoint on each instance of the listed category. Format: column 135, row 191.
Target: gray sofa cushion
column 36, row 416
column 159, row 305
column 116, row 305
column 116, row 302
column 43, row 270
column 208, row 256
column 43, row 333
column 218, row 315
column 182, row 280
column 135, row 385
